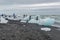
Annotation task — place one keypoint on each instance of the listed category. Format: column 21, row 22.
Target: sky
column 29, row 3
column 7, row 2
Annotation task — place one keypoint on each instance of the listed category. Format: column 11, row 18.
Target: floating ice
column 46, row 29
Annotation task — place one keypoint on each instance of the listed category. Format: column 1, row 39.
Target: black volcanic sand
column 54, row 33
column 22, row 31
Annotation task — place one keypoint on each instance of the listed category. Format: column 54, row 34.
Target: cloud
column 31, row 6
column 9, row 2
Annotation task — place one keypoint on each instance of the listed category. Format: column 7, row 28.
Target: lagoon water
column 48, row 11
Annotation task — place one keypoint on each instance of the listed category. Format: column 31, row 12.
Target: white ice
column 46, row 29
column 2, row 20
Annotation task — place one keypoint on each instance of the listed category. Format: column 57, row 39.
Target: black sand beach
column 25, row 31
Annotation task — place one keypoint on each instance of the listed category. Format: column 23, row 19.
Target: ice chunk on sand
column 49, row 21
column 46, row 29
column 26, row 18
column 32, row 21
column 23, row 21
column 46, row 21
column 2, row 20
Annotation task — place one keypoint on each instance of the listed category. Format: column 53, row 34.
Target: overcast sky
column 45, row 4
column 5, row 2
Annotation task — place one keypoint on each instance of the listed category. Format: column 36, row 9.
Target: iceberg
column 46, row 21
column 49, row 21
